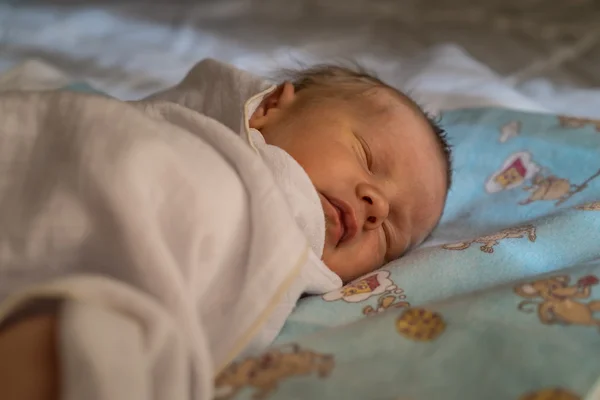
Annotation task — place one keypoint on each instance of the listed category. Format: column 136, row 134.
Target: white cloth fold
column 298, row 189
column 163, row 230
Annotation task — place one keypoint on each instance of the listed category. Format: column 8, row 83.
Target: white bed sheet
column 129, row 52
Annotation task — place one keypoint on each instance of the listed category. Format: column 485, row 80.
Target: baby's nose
column 376, row 208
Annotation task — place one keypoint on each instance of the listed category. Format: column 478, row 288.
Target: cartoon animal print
column 489, row 241
column 519, row 168
column 552, row 188
column 547, row 188
column 377, row 283
column 509, row 130
column 576, row 123
column 559, row 302
column 420, row 324
column 515, row 171
column 550, row 394
column 386, row 301
column 265, row 372
column 593, row 206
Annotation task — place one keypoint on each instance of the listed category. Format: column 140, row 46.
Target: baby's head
column 380, row 165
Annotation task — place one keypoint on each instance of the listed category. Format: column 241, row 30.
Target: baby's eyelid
column 368, row 153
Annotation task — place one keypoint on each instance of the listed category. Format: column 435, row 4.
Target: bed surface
column 541, row 55
column 134, row 49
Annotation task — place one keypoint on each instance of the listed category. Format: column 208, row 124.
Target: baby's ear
column 287, row 95
column 277, row 100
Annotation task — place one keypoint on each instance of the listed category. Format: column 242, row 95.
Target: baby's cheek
column 356, row 259
column 371, row 252
column 381, row 248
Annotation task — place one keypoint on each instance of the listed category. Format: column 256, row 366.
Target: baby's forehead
column 383, row 112
column 388, row 110
column 381, row 102
column 392, row 100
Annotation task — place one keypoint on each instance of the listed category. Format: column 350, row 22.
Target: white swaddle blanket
column 172, row 245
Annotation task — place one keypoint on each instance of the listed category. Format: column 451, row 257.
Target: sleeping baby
column 145, row 245
column 379, row 165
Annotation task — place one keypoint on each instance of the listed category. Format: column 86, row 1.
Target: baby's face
column 381, row 176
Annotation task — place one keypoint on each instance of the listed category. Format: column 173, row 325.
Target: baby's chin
column 328, row 259
column 337, row 263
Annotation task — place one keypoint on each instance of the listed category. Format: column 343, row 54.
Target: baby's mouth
column 338, row 219
column 340, row 222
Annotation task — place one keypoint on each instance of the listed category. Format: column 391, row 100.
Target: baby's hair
column 357, row 80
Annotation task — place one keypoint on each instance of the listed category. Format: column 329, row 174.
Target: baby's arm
column 28, row 359
column 115, row 344
column 88, row 218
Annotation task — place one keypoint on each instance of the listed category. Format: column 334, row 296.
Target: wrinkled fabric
column 162, row 230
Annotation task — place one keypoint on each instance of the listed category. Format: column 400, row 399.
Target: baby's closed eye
column 366, row 151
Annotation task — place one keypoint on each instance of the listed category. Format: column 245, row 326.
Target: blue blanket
column 502, row 303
